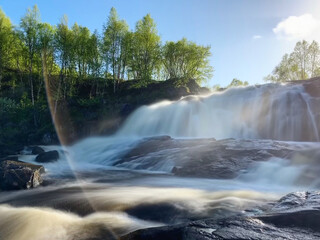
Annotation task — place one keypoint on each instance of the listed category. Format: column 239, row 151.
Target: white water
column 29, row 223
column 99, row 154
column 271, row 111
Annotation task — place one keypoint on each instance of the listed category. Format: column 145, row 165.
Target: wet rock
column 298, row 221
column 299, row 209
column 50, row 156
column 15, row 175
column 148, row 146
column 206, row 158
column 37, row 150
column 174, row 213
column 161, row 212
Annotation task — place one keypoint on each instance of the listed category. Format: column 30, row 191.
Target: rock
column 206, row 158
column 299, row 221
column 160, row 212
column 148, row 146
column 15, row 175
column 37, row 150
column 127, row 109
column 50, row 156
column 13, row 158
column 299, row 209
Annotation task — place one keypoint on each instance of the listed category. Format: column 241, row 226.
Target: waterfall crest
column 270, row 111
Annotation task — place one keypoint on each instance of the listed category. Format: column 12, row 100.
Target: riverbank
column 85, row 114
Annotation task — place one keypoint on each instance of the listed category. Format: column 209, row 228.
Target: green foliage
column 47, row 48
column 92, row 102
column 216, row 88
column 187, row 60
column 237, row 83
column 114, row 46
column 5, row 42
column 146, row 50
column 71, row 63
column 7, row 105
column 302, row 63
column 74, row 54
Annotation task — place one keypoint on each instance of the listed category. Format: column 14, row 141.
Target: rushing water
column 271, row 111
column 91, row 194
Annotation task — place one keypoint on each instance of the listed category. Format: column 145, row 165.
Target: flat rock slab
column 15, row 175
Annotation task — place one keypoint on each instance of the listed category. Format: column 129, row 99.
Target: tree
column 46, row 47
column 237, row 83
column 187, row 60
column 30, row 28
column 146, row 50
column 64, row 54
column 5, row 43
column 302, row 63
column 81, row 45
column 314, row 58
column 114, row 35
column 301, row 56
column 94, row 55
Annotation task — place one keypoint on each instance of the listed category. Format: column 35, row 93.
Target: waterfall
column 270, row 111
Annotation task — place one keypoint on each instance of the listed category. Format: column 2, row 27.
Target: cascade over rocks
column 294, row 216
column 209, row 158
column 272, row 111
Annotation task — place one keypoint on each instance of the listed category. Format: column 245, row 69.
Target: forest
column 103, row 75
column 84, row 71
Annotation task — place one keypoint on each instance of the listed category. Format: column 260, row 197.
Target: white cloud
column 298, row 27
column 256, row 37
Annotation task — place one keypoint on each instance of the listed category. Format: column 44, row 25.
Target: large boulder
column 15, row 175
column 50, row 156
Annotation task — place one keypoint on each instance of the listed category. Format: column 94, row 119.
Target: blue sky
column 247, row 37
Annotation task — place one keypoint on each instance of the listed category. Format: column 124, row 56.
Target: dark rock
column 127, row 109
column 174, row 213
column 13, row 158
column 160, row 212
column 293, row 217
column 37, row 150
column 299, row 209
column 50, row 156
column 15, row 175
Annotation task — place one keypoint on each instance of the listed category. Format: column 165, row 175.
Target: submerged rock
column 15, row 175
column 37, row 150
column 293, row 217
column 50, row 156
